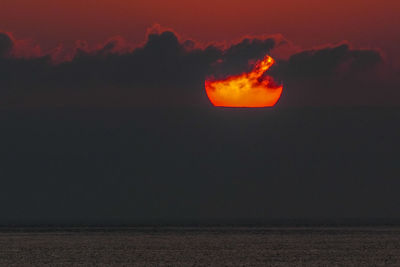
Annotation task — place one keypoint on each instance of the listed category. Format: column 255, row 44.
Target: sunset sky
column 116, row 111
column 307, row 23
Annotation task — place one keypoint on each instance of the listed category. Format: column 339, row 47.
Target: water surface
column 215, row 246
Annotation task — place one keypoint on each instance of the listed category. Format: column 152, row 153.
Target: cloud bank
column 169, row 70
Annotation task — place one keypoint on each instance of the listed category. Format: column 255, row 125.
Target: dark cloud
column 334, row 75
column 328, row 61
column 235, row 59
column 6, row 44
column 169, row 70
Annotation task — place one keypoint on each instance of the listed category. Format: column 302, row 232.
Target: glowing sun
column 252, row 89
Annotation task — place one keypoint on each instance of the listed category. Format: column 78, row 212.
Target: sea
column 200, row 246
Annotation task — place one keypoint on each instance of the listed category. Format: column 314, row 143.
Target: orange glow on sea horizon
column 251, row 89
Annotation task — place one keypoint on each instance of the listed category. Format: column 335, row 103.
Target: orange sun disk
column 251, row 89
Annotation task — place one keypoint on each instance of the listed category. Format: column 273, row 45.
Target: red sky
column 364, row 23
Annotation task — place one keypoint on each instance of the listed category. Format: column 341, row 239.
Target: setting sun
column 251, row 89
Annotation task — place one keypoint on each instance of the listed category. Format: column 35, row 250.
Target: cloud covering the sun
column 170, row 70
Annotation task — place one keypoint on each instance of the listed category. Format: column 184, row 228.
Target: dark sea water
column 201, row 246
